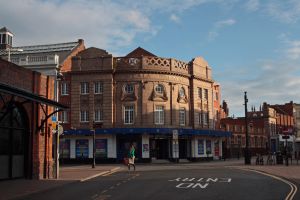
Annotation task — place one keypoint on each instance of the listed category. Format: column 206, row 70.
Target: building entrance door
column 13, row 143
column 182, row 148
column 159, row 148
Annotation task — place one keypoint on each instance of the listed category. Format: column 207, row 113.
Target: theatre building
column 25, row 129
column 165, row 107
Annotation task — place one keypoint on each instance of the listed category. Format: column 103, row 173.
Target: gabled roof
column 138, row 52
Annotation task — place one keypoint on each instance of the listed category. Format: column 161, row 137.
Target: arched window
column 13, row 137
column 129, row 89
column 181, row 92
column 159, row 89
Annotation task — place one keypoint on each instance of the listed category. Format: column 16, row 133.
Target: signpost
column 175, row 145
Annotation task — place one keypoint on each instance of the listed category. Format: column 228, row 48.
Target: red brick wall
column 40, row 159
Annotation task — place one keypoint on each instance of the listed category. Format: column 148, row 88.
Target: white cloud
column 101, row 23
column 287, row 11
column 252, row 5
column 223, row 23
column 214, row 33
column 175, row 18
column 275, row 82
column 293, row 51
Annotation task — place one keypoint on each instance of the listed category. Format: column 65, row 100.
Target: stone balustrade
column 36, row 60
column 151, row 63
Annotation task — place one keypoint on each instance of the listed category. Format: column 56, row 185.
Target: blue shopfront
column 112, row 145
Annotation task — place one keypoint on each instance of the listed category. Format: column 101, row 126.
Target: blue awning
column 151, row 131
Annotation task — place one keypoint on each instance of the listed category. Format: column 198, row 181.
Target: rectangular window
column 200, row 93
column 199, row 118
column 64, row 88
column 101, row 148
column 98, row 115
column 239, row 140
column 98, row 88
column 208, row 147
column 64, row 148
column 64, row 116
column 84, row 116
column 128, row 114
column 84, row 88
column 82, row 148
column 200, row 147
column 206, row 94
column 205, row 118
column 159, row 115
column 217, row 96
column 182, row 117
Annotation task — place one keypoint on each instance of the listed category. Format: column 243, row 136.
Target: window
column 84, row 88
column 182, row 117
column 64, row 89
column 239, row 140
column 98, row 88
column 159, row 115
column 98, row 115
column 84, row 116
column 181, row 92
column 129, row 88
column 206, row 94
column 64, row 116
column 255, row 141
column 159, row 89
column 200, row 93
column 128, row 114
column 217, row 96
column 205, row 118
column 199, row 118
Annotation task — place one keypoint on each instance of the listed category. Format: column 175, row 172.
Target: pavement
column 75, row 173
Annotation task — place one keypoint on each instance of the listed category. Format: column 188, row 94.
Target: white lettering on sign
column 201, row 183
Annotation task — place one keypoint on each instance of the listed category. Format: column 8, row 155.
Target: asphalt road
column 183, row 183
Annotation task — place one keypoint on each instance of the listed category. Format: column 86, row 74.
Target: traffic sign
column 54, row 118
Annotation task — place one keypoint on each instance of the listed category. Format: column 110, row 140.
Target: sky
column 251, row 45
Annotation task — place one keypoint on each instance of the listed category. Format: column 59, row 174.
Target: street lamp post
column 247, row 151
column 94, row 146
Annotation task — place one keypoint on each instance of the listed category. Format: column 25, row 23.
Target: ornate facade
column 162, row 105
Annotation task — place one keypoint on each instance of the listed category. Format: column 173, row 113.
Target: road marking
column 114, row 170
column 118, row 184
column 294, row 188
column 201, row 183
column 104, row 191
column 94, row 196
column 112, row 187
column 105, row 173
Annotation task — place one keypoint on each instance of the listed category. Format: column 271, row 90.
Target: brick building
column 25, row 128
column 266, row 126
column 161, row 105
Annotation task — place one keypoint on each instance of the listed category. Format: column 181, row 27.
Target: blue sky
column 251, row 45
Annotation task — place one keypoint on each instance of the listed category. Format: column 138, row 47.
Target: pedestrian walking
column 131, row 156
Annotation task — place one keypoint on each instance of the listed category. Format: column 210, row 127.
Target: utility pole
column 247, row 151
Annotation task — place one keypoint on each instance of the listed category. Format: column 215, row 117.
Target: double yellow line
column 293, row 187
